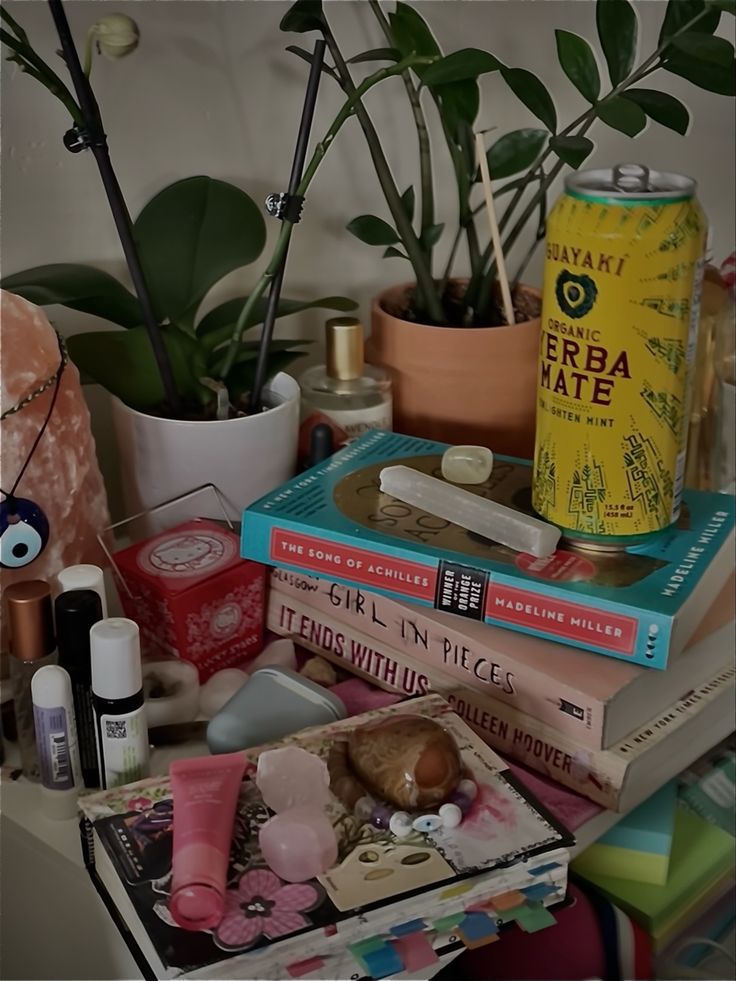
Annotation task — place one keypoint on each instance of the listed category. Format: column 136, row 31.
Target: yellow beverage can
column 622, row 280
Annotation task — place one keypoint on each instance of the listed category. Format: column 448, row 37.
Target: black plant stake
column 287, row 207
column 92, row 136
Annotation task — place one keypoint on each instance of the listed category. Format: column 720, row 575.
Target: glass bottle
column 32, row 646
column 354, row 396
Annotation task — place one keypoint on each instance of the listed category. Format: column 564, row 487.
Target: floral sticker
column 263, row 905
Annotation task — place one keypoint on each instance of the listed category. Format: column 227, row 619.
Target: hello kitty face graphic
column 186, row 554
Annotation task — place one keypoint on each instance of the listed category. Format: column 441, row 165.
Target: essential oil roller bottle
column 77, row 611
column 32, row 646
column 354, row 396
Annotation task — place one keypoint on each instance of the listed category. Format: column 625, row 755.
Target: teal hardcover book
column 639, row 604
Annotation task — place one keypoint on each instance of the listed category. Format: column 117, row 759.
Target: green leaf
column 308, row 56
column 122, row 361
column 574, row 149
column 411, row 34
column 240, row 379
column 715, row 50
column 376, row 54
column 618, row 113
column 617, row 29
column 458, row 103
column 78, row 287
column 727, row 6
column 662, row 108
column 533, row 94
column 430, row 236
column 372, row 230
column 456, row 67
column 714, row 78
column 248, row 351
column 392, row 253
column 515, row 151
column 216, row 327
column 681, row 12
column 303, row 16
column 579, row 64
column 408, row 202
column 192, row 234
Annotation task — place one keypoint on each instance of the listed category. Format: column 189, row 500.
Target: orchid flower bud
column 116, row 35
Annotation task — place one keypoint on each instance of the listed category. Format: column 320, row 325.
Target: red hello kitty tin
column 193, row 597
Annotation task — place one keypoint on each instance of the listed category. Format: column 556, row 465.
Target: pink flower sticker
column 139, row 803
column 263, row 905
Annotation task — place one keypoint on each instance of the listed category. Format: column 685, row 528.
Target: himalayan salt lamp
column 62, row 477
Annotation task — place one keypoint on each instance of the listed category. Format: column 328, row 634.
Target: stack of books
column 388, row 906
column 609, row 672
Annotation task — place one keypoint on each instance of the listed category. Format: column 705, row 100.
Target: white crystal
column 467, row 464
column 219, row 689
column 363, row 808
column 451, row 815
column 487, row 518
column 469, row 788
column 278, row 653
column 292, row 777
column 400, row 824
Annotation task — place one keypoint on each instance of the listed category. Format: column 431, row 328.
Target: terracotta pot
column 459, row 385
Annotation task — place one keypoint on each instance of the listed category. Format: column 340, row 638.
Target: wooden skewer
column 503, row 278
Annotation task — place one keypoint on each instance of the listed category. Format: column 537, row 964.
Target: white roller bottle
column 117, row 694
column 56, row 741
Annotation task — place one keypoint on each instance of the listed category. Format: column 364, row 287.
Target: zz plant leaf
column 617, row 31
column 663, row 108
column 578, row 63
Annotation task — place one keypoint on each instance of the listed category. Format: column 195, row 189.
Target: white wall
column 211, row 90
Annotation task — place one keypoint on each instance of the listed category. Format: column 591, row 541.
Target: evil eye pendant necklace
column 24, row 527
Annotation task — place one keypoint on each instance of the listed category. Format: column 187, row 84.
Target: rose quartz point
column 298, row 844
column 292, row 777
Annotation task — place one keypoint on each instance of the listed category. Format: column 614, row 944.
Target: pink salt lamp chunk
column 63, row 477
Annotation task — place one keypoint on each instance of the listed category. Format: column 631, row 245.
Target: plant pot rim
column 376, row 306
column 287, row 397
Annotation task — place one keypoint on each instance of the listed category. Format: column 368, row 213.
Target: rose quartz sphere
column 298, row 844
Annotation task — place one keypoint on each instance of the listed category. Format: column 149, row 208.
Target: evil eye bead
column 24, row 532
column 469, row 788
column 450, row 815
column 400, row 824
column 427, row 823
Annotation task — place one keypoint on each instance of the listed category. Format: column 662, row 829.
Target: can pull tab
column 631, row 177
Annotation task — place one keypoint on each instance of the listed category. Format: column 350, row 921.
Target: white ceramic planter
column 245, row 458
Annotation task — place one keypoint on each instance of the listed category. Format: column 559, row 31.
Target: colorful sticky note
column 490, row 938
column 300, row 968
column 541, row 869
column 474, row 926
column 415, row 950
column 411, row 926
column 366, row 946
column 540, row 890
column 507, row 900
column 448, row 922
column 456, row 890
column 508, row 915
column 535, row 917
column 382, row 963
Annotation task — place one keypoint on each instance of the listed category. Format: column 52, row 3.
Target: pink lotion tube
column 205, row 791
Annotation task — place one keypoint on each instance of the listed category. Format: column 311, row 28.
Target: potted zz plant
column 461, row 372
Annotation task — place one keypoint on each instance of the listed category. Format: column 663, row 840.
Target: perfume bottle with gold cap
column 352, row 395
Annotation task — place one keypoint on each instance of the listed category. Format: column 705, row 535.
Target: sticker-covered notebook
column 507, row 861
column 640, row 604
